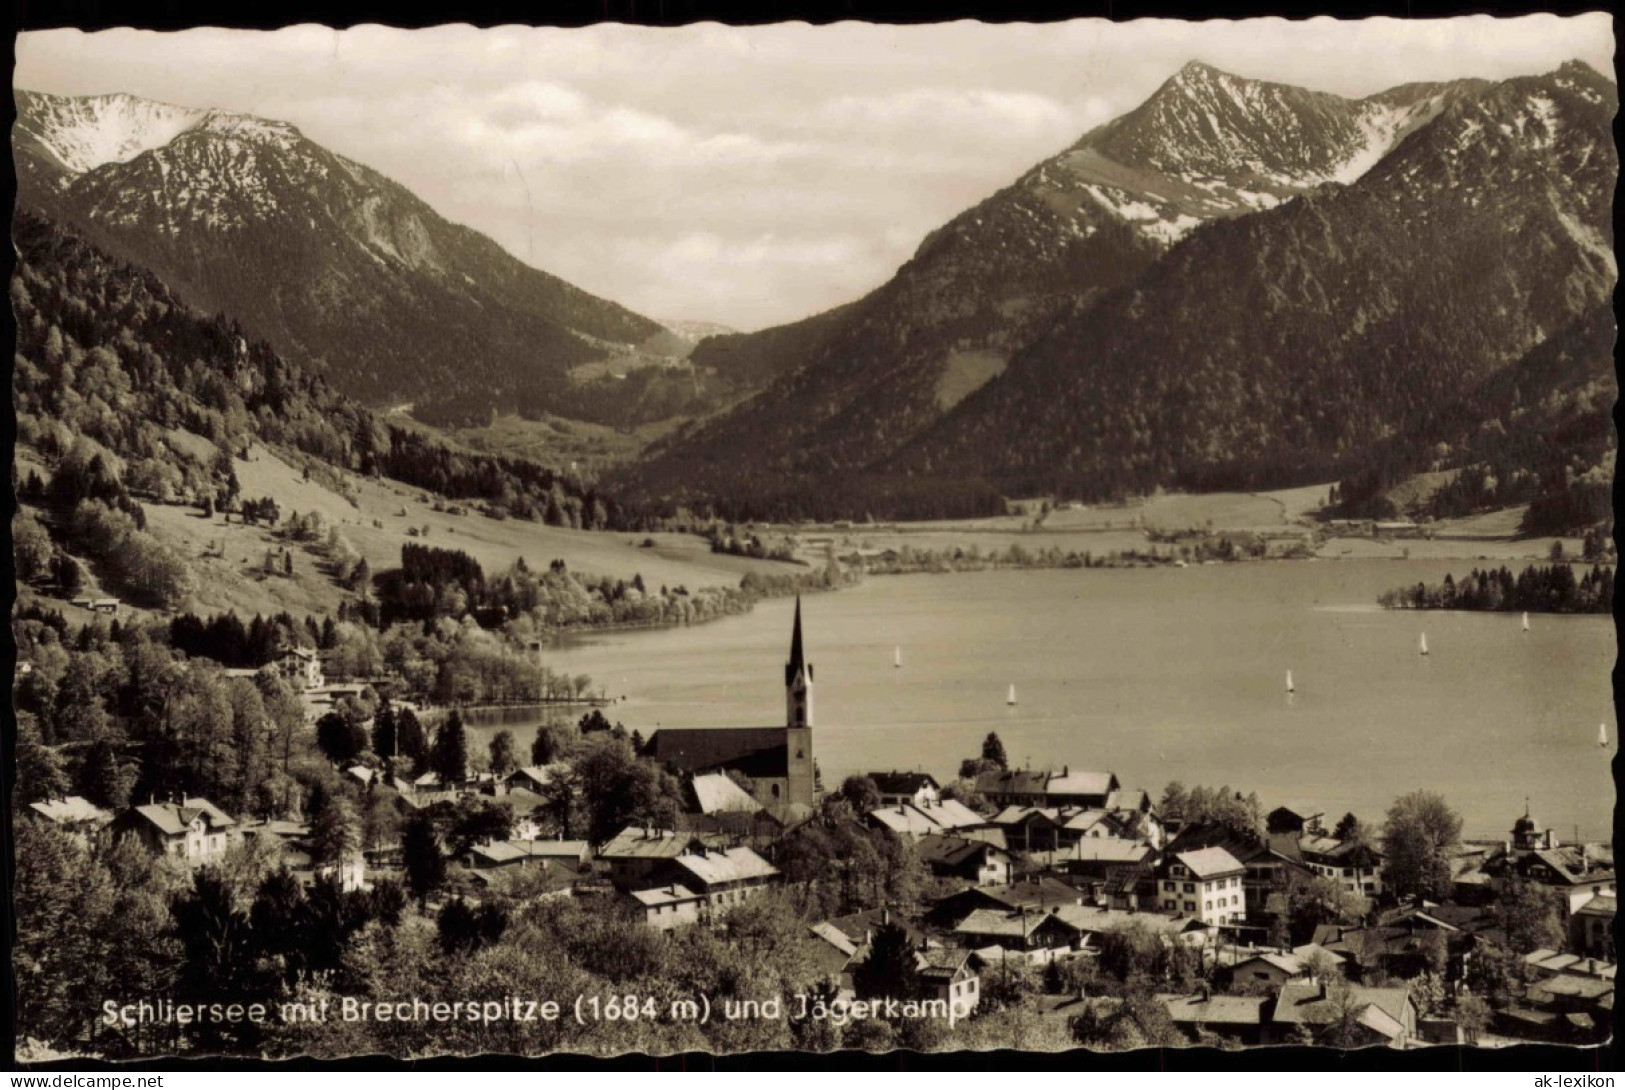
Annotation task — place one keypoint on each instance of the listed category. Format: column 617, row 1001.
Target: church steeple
column 798, row 679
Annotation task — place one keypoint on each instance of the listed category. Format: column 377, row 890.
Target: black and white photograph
column 854, row 539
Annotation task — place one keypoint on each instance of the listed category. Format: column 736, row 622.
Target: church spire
column 798, row 676
column 797, row 660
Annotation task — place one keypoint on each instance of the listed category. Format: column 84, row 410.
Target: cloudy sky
column 747, row 176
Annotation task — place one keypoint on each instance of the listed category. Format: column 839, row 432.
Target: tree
column 410, row 737
column 889, row 968
column 335, row 831
column 104, row 778
column 464, row 930
column 861, row 794
column 993, row 750
column 340, row 737
column 449, row 757
column 1350, row 831
column 385, row 737
column 425, row 865
column 1529, row 913
column 40, row 771
column 480, row 823
column 1418, row 836
column 502, row 748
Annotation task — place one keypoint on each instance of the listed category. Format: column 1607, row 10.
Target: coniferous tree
column 425, row 863
column 449, row 757
column 993, row 750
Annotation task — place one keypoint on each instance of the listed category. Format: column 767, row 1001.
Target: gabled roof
column 951, row 851
column 1016, row 781
column 172, row 818
column 952, row 814
column 1081, row 783
column 72, row 810
column 534, row 776
column 1210, row 862
column 904, row 820
column 857, row 926
column 510, row 851
column 1001, row 922
column 665, row 895
column 1107, row 849
column 720, row 867
column 903, row 783
column 1216, row 1010
column 943, row 963
column 715, row 793
column 835, row 937
column 1304, row 1003
column 637, row 842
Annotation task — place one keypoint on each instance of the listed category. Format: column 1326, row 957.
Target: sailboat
column 1602, row 735
column 1526, row 622
column 1291, row 688
column 1422, row 644
column 1011, row 699
column 897, row 657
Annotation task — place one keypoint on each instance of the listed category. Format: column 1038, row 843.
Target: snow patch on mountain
column 85, row 133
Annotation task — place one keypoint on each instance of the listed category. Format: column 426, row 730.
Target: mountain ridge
column 305, row 246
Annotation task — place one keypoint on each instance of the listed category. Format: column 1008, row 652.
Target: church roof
column 709, row 749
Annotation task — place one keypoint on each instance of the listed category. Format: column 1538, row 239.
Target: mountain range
column 344, row 270
column 1237, row 284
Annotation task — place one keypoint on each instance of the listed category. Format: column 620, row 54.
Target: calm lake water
column 1164, row 674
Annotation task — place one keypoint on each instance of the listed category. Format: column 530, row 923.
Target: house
column 300, row 667
column 1578, row 871
column 948, row 975
column 975, row 861
column 193, row 830
column 911, row 788
column 1023, row 787
column 724, row 877
column 1021, row 929
column 519, row 853
column 1297, row 820
column 633, row 853
column 1273, row 866
column 945, row 816
column 1205, row 884
column 1385, row 1016
column 1241, row 1019
column 534, row 778
column 295, row 853
column 72, row 812
column 1275, row 967
column 108, row 606
column 1591, row 926
column 778, row 760
column 1036, row 892
column 1354, row 866
column 670, row 906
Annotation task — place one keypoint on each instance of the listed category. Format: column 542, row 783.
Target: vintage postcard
column 794, row 538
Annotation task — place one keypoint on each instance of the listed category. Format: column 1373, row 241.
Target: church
column 778, row 760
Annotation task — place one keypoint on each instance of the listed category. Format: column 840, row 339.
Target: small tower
column 798, row 680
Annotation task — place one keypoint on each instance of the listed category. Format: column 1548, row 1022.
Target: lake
column 1164, row 674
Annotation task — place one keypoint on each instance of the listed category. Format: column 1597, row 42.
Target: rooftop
column 1210, row 862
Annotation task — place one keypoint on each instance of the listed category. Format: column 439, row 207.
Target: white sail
column 1602, row 735
column 1526, row 622
column 1289, row 686
column 1011, row 699
column 897, row 657
column 1422, row 644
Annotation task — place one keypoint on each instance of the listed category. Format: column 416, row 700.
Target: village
column 1063, row 892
